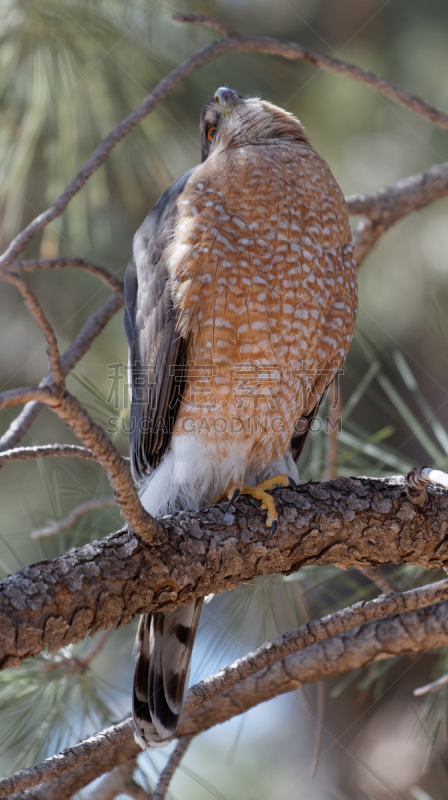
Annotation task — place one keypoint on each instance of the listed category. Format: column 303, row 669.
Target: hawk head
column 230, row 120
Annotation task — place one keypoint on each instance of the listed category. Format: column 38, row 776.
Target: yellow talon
column 260, row 492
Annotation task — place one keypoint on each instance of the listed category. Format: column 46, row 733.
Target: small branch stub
column 417, row 481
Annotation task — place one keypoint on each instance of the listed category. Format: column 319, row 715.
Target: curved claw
column 292, row 484
column 273, row 528
column 235, row 495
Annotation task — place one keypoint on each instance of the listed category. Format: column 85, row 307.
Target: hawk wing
column 301, row 431
column 157, row 354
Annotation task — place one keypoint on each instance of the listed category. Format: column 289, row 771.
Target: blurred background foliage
column 69, row 71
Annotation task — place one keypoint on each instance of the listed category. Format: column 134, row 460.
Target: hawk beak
column 226, row 99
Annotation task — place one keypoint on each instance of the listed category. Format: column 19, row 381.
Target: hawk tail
column 163, row 648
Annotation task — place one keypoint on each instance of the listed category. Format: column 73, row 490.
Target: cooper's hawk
column 241, row 301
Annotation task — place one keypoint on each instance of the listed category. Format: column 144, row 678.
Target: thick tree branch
column 350, row 522
column 69, row 783
column 411, row 632
column 320, row 649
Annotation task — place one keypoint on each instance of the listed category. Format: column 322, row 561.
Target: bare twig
column 78, row 348
column 295, row 52
column 24, row 394
column 232, row 43
column 431, row 688
column 377, row 577
column 328, row 647
column 20, row 425
column 413, row 193
column 96, row 648
column 33, row 264
column 208, row 22
column 90, row 330
column 120, row 781
column 167, row 773
column 93, row 437
column 55, row 527
column 76, row 663
column 320, row 696
column 118, row 472
column 382, row 210
column 56, row 376
column 46, row 451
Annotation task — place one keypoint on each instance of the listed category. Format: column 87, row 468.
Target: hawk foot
column 260, row 492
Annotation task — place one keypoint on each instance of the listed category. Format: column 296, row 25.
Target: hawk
column 241, row 299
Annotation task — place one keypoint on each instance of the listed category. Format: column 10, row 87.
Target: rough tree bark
column 151, row 565
column 348, row 522
column 209, row 703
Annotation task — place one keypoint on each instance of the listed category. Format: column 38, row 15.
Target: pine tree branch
column 320, row 649
column 232, row 43
column 412, row 632
column 349, row 522
column 361, row 523
column 68, row 784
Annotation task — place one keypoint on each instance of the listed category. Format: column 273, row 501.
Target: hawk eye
column 211, row 133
